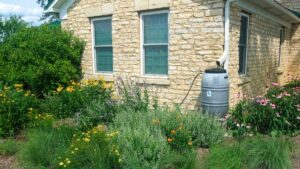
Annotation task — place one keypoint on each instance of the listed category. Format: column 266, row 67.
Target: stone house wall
column 196, row 42
column 293, row 66
column 263, row 54
column 196, row 39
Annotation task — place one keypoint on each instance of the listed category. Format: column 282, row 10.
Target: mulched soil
column 7, row 162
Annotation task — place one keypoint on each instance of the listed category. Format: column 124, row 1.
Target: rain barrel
column 215, row 92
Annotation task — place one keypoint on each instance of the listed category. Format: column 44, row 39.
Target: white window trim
column 94, row 48
column 142, row 57
column 247, row 43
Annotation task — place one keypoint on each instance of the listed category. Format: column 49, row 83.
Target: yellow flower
column 18, row 85
column 70, row 89
column 87, row 139
column 173, row 132
column 170, row 140
column 59, row 89
column 61, row 163
column 190, row 143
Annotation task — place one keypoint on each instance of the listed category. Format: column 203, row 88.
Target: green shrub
column 141, row 144
column 98, row 111
column 133, row 97
column 185, row 130
column 9, row 147
column 277, row 112
column 91, row 149
column 41, row 58
column 67, row 101
column 15, row 105
column 45, row 146
column 252, row 153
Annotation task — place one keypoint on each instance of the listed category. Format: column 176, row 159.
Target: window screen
column 243, row 44
column 155, row 43
column 103, row 45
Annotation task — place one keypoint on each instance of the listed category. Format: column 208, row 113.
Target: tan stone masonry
column 196, row 39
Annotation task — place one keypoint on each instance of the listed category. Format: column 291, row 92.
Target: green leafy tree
column 10, row 26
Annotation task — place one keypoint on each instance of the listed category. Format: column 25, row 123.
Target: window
column 103, row 49
column 155, row 43
column 243, row 44
column 281, row 41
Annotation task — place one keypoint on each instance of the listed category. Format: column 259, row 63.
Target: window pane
column 242, row 60
column 156, row 60
column 243, row 44
column 104, row 59
column 156, row 28
column 103, row 32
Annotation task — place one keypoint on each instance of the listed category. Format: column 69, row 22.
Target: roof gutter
column 224, row 59
column 283, row 10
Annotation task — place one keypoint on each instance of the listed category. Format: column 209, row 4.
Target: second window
column 155, row 38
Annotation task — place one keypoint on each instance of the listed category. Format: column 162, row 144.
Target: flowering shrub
column 15, row 103
column 187, row 130
column 92, row 149
column 278, row 111
column 67, row 101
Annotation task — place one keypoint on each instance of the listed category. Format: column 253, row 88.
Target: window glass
column 103, row 45
column 243, row 44
column 156, row 43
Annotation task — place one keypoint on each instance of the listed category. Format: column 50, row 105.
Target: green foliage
column 10, row 26
column 41, row 58
column 185, row 130
column 133, row 97
column 67, row 101
column 272, row 153
column 45, row 146
column 15, row 104
column 141, row 144
column 180, row 160
column 277, row 112
column 9, row 147
column 252, row 153
column 91, row 149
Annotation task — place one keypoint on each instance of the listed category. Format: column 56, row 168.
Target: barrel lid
column 215, row 70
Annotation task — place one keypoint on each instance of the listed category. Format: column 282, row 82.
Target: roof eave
column 294, row 18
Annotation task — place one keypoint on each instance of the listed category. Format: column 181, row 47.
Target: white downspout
column 224, row 60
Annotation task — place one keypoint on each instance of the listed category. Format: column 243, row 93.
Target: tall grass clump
column 9, row 147
column 45, row 146
column 251, row 153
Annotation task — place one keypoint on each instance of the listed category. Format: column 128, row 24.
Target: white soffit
column 270, row 10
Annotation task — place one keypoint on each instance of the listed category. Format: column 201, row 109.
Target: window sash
column 104, row 59
column 102, row 45
column 155, row 50
column 243, row 44
column 281, row 41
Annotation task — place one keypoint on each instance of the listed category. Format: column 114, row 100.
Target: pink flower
column 264, row 102
column 273, row 106
column 286, row 94
column 275, row 84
